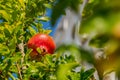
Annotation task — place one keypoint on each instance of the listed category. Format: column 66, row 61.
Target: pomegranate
column 42, row 41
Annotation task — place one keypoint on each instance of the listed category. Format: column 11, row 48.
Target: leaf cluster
column 21, row 19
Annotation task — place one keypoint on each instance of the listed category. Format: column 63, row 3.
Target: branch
column 21, row 48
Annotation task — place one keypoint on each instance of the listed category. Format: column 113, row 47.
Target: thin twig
column 19, row 71
column 21, row 48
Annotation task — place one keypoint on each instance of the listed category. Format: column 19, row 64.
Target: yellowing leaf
column 5, row 15
column 18, row 23
column 8, row 27
column 22, row 3
column 47, row 31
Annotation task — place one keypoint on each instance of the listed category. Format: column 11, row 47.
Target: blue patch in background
column 47, row 25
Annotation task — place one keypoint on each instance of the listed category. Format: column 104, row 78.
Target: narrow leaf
column 44, row 18
column 48, row 5
column 7, row 33
column 87, row 74
column 32, row 31
column 22, row 3
column 5, row 15
column 4, row 49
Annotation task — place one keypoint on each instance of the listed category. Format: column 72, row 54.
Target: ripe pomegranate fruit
column 42, row 41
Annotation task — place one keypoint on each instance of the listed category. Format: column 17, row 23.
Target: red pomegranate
column 42, row 41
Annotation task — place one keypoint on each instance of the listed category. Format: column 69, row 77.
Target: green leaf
column 99, row 41
column 44, row 18
column 5, row 15
column 4, row 49
column 39, row 50
column 94, row 25
column 91, row 1
column 17, row 31
column 17, row 57
column 38, row 26
column 14, row 68
column 49, row 59
column 47, row 31
column 72, row 52
column 87, row 74
column 22, row 3
column 72, row 75
column 48, row 5
column 75, row 5
column 87, row 55
column 7, row 33
column 1, row 38
column 8, row 66
column 32, row 31
column 12, row 43
column 32, row 70
column 11, row 76
column 63, row 69
column 40, row 64
column 27, row 54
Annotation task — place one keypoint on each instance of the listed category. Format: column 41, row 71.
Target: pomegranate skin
column 42, row 41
